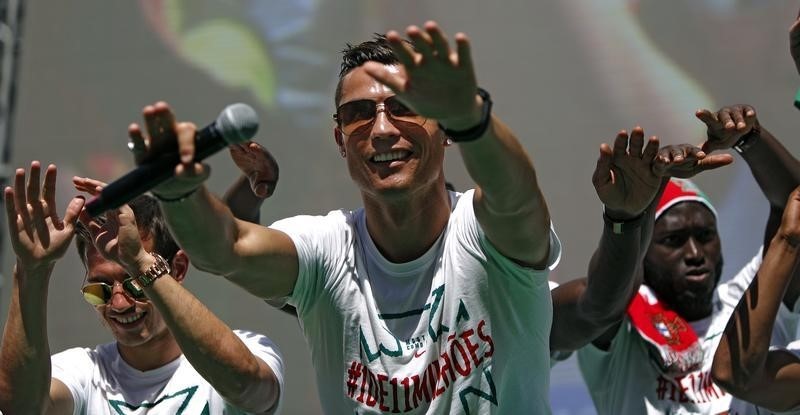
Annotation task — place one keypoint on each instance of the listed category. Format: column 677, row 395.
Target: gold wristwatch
column 156, row 271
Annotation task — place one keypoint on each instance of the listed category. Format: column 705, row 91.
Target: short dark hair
column 151, row 223
column 377, row 50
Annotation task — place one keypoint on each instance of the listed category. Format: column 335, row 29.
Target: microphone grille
column 237, row 123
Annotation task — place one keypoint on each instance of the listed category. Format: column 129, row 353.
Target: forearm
column 206, row 229
column 613, row 276
column 212, row 348
column 241, row 200
column 740, row 360
column 508, row 195
column 25, row 352
column 774, row 168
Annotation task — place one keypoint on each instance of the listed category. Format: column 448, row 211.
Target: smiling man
column 424, row 300
column 658, row 360
column 171, row 355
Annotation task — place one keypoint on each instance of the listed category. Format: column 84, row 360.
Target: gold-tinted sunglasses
column 99, row 293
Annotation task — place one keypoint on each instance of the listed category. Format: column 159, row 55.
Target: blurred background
column 566, row 76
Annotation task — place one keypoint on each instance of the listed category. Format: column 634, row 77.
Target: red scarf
column 676, row 343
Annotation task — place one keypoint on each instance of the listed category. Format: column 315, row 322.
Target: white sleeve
column 263, row 348
column 74, row 368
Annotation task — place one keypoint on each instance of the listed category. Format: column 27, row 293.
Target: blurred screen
column 566, row 76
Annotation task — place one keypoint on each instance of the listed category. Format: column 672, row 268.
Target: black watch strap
column 477, row 131
column 622, row 227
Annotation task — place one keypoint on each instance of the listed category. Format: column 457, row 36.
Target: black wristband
column 621, row 227
column 175, row 199
column 477, row 131
column 746, row 141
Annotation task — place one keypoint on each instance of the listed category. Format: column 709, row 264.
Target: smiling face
column 132, row 322
column 390, row 157
column 684, row 261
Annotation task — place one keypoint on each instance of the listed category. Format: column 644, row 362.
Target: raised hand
column 162, row 134
column 117, row 237
column 258, row 165
column 794, row 43
column 727, row 126
column 624, row 178
column 39, row 236
column 438, row 82
column 685, row 161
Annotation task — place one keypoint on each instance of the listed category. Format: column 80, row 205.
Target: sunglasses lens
column 400, row 110
column 133, row 289
column 96, row 294
column 355, row 114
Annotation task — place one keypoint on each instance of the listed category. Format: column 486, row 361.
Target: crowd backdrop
column 566, row 76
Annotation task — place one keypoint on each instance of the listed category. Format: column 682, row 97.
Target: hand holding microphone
column 171, row 149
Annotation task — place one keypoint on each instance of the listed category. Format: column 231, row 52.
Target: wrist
column 622, row 222
column 470, row 126
column 748, row 140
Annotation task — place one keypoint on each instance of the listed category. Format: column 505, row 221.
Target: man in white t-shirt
column 659, row 359
column 171, row 354
column 423, row 301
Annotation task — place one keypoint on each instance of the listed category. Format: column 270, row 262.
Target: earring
column 448, row 141
column 342, row 152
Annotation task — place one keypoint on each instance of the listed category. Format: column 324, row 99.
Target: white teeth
column 126, row 320
column 390, row 156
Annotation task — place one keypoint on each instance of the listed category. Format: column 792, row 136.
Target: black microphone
column 237, row 123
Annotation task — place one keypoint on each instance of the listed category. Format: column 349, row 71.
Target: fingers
column 602, row 173
column 405, row 54
column 440, row 47
column 464, row 52
column 382, row 74
column 707, row 117
column 73, row 211
column 714, row 161
column 88, row 185
column 636, row 141
column 621, row 144
column 159, row 121
column 651, row 149
column 49, row 193
column 20, row 204
column 186, row 132
column 137, row 145
column 725, row 119
column 422, row 42
column 33, row 191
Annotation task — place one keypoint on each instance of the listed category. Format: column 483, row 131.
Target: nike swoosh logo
column 418, row 354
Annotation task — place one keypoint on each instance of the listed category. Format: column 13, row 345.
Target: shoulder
column 334, row 222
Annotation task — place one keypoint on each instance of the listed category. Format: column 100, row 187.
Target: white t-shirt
column 461, row 329
column 625, row 380
column 102, row 383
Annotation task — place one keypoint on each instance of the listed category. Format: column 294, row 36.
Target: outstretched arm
column 39, row 238
column 743, row 363
column 240, row 377
column 628, row 180
column 441, row 85
column 261, row 260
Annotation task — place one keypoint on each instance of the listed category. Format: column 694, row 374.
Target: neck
column 405, row 229
column 155, row 353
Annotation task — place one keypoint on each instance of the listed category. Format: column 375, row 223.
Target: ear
column 180, row 266
column 337, row 136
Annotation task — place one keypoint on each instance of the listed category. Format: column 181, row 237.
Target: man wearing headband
column 658, row 360
column 170, row 355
